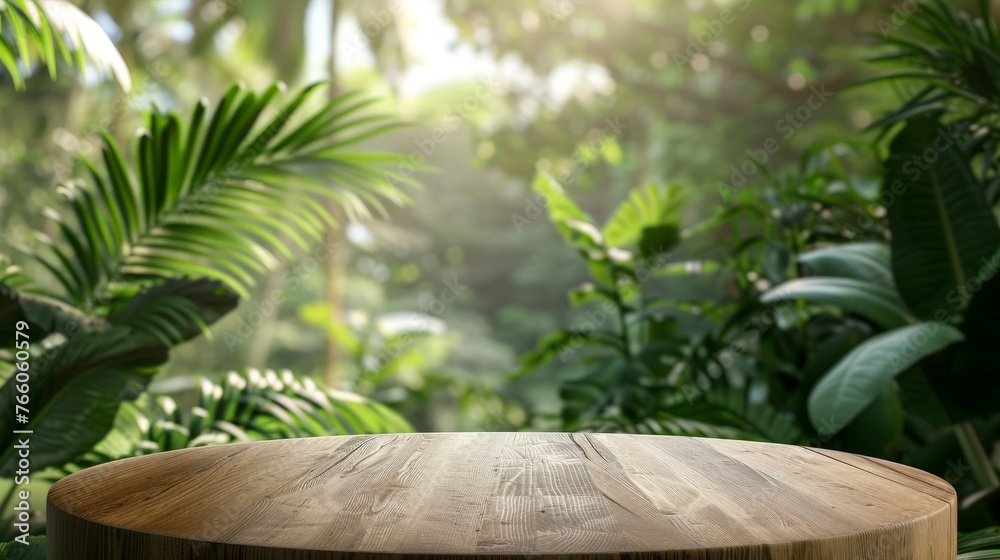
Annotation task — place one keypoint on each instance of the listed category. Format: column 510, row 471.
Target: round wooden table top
column 502, row 495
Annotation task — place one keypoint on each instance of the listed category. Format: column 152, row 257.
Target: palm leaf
column 246, row 406
column 957, row 58
column 980, row 545
column 726, row 413
column 175, row 311
column 222, row 196
column 42, row 29
column 45, row 315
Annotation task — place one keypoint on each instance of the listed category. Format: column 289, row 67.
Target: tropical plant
column 155, row 252
column 952, row 60
column 639, row 374
column 706, row 347
column 923, row 298
column 930, row 291
column 979, row 545
column 246, row 406
column 47, row 30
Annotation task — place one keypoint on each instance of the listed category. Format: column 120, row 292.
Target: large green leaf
column 824, row 357
column 878, row 304
column 942, row 228
column 859, row 377
column 923, row 399
column 16, row 551
column 876, row 432
column 75, row 391
column 176, row 310
column 867, row 262
column 969, row 385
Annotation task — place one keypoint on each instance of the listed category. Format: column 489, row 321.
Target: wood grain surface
column 502, row 495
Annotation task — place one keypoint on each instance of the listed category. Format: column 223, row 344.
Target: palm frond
column 174, row 311
column 246, row 406
column 725, row 412
column 223, row 195
column 45, row 315
column 954, row 58
column 980, row 545
column 47, row 30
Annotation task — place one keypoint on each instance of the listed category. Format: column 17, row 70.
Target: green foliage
column 951, row 56
column 878, row 295
column 218, row 197
column 648, row 217
column 866, row 262
column 89, row 376
column 35, row 550
column 942, row 229
column 725, row 413
column 880, row 305
column 383, row 346
column 246, row 406
column 156, row 253
column 638, row 372
column 855, row 381
column 52, row 30
column 979, row 545
column 944, row 242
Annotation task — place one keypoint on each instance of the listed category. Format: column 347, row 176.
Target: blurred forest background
column 467, row 310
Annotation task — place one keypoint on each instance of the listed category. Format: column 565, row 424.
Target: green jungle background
column 773, row 221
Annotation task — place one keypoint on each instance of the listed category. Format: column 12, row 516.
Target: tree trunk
column 286, row 42
column 334, row 238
